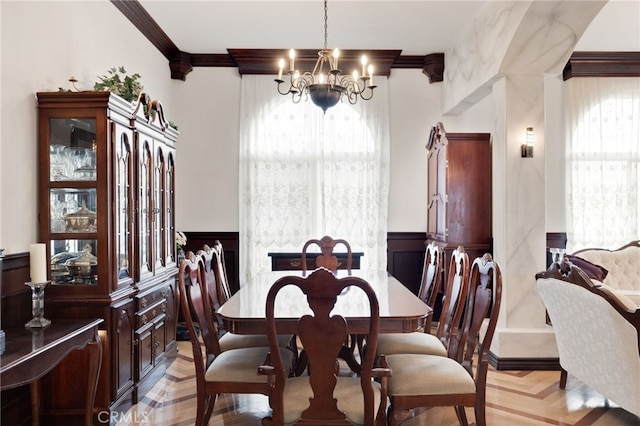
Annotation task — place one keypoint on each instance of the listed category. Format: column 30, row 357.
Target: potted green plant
column 117, row 81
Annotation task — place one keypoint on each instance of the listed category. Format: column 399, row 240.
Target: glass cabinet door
column 72, row 226
column 124, row 201
column 144, row 208
column 158, row 209
column 169, row 206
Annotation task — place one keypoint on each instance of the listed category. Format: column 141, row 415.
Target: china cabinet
column 459, row 192
column 106, row 197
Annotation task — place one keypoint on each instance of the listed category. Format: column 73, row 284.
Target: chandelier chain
column 325, row 24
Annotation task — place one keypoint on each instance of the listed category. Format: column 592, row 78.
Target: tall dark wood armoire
column 459, row 192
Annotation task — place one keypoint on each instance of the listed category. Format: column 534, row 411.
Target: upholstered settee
column 597, row 335
column 618, row 270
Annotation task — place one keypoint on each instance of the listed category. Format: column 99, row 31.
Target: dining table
column 401, row 311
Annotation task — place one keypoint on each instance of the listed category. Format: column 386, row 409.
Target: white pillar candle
column 280, row 68
column 292, row 56
column 38, row 262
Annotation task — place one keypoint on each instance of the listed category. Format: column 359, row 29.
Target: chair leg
column 563, row 378
column 396, row 417
column 211, row 401
column 462, row 415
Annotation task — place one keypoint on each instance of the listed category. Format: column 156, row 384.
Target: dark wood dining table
column 401, row 311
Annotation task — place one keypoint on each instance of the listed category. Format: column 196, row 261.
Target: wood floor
column 522, row 398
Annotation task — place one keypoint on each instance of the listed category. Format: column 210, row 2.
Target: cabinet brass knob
column 143, row 302
column 144, row 319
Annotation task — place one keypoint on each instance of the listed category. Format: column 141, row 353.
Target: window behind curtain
column 305, row 174
column 603, row 125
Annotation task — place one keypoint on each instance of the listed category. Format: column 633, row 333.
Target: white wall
column 43, row 44
column 207, row 153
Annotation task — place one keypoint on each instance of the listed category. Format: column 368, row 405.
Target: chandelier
column 326, row 85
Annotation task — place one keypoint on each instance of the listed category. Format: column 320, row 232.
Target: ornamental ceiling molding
column 264, row 61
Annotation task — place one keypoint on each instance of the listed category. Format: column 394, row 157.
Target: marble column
column 519, row 217
column 508, row 53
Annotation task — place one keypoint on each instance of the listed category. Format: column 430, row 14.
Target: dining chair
column 422, row 342
column 323, row 397
column 329, row 261
column 232, row 371
column 220, row 271
column 227, row 340
column 431, row 277
column 429, row 380
column 326, row 259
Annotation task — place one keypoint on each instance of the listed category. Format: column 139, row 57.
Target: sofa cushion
column 593, row 271
column 623, row 266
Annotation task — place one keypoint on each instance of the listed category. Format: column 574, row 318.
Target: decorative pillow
column 593, row 271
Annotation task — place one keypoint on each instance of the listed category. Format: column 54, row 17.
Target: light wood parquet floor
column 521, row 398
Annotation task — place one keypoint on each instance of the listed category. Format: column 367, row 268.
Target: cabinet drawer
column 293, row 264
column 151, row 313
column 146, row 299
column 293, row 261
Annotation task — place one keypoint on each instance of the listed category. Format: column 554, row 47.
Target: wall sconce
column 527, row 147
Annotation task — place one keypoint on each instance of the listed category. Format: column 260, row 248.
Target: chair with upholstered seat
column 452, row 306
column 232, row 371
column 326, row 259
column 430, row 380
column 323, row 397
column 215, row 278
column 330, row 261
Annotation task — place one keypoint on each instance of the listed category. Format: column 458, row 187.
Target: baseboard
column 503, row 364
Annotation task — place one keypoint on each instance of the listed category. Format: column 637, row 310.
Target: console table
column 31, row 353
column 293, row 261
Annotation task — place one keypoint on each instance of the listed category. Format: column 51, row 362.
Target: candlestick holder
column 37, row 305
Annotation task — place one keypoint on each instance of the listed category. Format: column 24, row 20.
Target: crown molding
column 602, row 64
column 265, row 61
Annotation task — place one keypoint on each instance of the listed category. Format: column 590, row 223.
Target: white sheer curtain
column 305, row 174
column 603, row 151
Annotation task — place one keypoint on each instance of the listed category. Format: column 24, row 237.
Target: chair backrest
column 322, row 336
column 431, row 274
column 196, row 309
column 210, row 276
column 455, row 295
column 220, row 271
column 483, row 299
column 326, row 258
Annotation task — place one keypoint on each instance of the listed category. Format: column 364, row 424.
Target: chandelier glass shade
column 326, row 84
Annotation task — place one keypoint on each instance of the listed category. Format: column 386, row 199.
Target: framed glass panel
column 72, row 149
column 74, row 262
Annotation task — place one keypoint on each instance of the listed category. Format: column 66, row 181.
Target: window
column 603, row 117
column 305, row 174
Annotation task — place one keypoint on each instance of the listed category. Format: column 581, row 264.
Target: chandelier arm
column 280, row 91
column 366, row 98
column 352, row 97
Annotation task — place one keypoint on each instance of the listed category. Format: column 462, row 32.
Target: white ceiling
column 417, row 27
